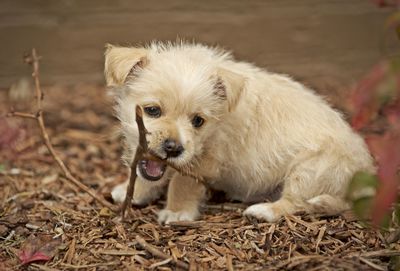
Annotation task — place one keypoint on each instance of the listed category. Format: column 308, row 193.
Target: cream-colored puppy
column 245, row 130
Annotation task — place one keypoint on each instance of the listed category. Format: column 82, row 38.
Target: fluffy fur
column 262, row 131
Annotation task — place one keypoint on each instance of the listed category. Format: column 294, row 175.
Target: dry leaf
column 38, row 248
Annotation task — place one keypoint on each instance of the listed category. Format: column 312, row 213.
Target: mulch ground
column 40, row 210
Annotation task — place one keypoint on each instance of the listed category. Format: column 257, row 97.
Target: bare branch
column 140, row 150
column 33, row 60
column 22, row 115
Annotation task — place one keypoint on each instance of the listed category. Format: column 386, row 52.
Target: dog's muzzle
column 152, row 170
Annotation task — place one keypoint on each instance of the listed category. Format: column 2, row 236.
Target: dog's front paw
column 119, row 192
column 145, row 192
column 166, row 216
column 262, row 211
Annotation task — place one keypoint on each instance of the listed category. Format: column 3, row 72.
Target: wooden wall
column 337, row 40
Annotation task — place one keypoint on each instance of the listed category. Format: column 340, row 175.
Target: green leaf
column 397, row 212
column 385, row 222
column 362, row 207
column 363, row 184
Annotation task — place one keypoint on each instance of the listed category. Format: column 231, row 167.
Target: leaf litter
column 41, row 247
column 40, row 213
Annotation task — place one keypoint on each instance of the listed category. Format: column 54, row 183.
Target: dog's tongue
column 154, row 168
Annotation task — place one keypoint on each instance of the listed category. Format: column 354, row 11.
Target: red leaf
column 38, row 248
column 363, row 99
column 392, row 113
column 386, row 196
column 28, row 257
column 364, row 116
column 386, row 150
column 387, row 153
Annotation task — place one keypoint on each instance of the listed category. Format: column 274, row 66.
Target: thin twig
column 86, row 266
column 33, row 60
column 371, row 264
column 157, row 253
column 22, row 115
column 229, row 264
column 380, row 253
column 140, row 150
column 43, row 267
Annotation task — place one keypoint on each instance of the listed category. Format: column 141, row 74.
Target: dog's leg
column 271, row 212
column 323, row 204
column 327, row 204
column 315, row 186
column 183, row 200
column 145, row 191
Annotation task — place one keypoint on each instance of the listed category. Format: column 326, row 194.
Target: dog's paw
column 144, row 192
column 166, row 216
column 119, row 192
column 262, row 211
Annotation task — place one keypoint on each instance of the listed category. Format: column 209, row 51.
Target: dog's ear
column 123, row 62
column 229, row 86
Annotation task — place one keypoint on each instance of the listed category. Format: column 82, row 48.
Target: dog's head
column 184, row 92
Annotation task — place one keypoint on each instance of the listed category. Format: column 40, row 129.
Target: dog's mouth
column 152, row 170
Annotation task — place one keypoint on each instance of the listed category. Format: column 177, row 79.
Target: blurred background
column 324, row 43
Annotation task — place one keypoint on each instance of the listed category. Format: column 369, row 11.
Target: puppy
column 246, row 131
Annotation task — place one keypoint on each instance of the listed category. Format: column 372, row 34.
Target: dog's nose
column 172, row 148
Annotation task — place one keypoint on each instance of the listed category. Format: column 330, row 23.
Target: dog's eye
column 197, row 121
column 153, row 111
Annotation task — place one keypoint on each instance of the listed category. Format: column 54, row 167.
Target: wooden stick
column 33, row 60
column 371, row 264
column 157, row 253
column 22, row 115
column 380, row 253
column 140, row 150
